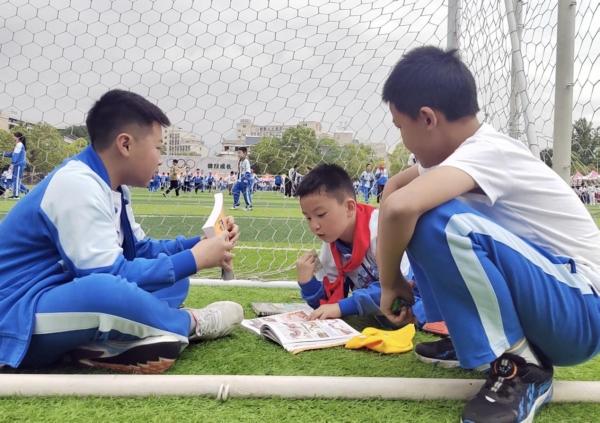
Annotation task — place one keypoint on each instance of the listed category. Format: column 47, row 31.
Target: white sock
column 523, row 350
column 192, row 323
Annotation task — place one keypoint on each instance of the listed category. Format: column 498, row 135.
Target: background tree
column 7, row 143
column 45, row 148
column 266, row 156
column 300, row 146
column 329, row 150
column 75, row 147
column 75, row 131
column 354, row 158
column 585, row 143
column 398, row 159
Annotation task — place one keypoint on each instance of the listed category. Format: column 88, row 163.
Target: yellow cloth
column 384, row 341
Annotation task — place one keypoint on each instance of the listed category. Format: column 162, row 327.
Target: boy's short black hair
column 243, row 149
column 175, row 161
column 330, row 178
column 431, row 77
column 116, row 109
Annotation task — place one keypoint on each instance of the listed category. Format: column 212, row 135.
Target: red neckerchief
column 361, row 241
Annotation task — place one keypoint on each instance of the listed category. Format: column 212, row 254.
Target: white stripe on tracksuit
column 492, row 288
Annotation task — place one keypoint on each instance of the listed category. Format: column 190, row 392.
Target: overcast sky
column 208, row 64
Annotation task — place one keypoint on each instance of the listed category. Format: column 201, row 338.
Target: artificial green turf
column 245, row 353
column 274, row 224
column 205, row 410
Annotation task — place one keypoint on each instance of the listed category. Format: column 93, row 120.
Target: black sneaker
column 513, row 392
column 440, row 353
column 150, row 355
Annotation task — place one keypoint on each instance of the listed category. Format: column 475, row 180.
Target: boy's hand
column 326, row 311
column 232, row 229
column 306, row 265
column 403, row 290
column 213, row 252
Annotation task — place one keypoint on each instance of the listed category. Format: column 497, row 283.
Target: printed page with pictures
column 296, row 333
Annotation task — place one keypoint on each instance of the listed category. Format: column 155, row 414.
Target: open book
column 215, row 226
column 268, row 309
column 294, row 332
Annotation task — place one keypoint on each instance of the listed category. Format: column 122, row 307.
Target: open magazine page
column 296, row 333
column 255, row 324
column 314, row 331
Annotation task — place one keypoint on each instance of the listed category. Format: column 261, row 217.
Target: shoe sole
column 150, row 367
column 539, row 403
column 449, row 364
column 142, row 359
column 446, row 364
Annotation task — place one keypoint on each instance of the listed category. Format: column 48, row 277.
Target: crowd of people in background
column 587, row 193
column 186, row 180
column 370, row 183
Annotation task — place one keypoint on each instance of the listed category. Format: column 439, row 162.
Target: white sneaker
column 216, row 320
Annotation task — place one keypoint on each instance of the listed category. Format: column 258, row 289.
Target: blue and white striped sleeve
column 77, row 207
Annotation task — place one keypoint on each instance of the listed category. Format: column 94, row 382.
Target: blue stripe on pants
column 99, row 307
column 493, row 288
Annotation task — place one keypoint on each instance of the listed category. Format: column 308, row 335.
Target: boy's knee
column 102, row 289
column 431, row 226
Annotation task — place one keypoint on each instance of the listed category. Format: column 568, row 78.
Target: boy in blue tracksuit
column 244, row 182
column 210, row 180
column 18, row 161
column 343, row 280
column 82, row 278
column 501, row 247
column 198, row 181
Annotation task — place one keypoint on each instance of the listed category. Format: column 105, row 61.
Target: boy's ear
column 350, row 206
column 428, row 116
column 123, row 142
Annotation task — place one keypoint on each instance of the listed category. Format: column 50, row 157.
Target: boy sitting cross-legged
column 348, row 230
column 81, row 278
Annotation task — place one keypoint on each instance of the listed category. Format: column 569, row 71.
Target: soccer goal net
column 297, row 82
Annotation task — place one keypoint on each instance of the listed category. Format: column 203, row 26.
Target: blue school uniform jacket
column 17, row 156
column 68, row 227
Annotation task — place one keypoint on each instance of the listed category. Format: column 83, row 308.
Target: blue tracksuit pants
column 493, row 288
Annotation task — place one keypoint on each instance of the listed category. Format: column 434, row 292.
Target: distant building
column 218, row 165
column 8, row 121
column 3, row 121
column 179, row 142
column 247, row 128
column 229, row 147
column 379, row 148
column 247, row 134
column 343, row 137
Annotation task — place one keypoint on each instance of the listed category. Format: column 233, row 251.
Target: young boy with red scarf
column 348, row 230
